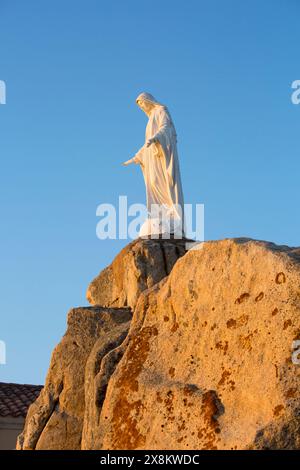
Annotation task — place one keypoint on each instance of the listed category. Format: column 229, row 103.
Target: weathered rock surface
column 139, row 266
column 55, row 419
column 206, row 364
column 208, row 359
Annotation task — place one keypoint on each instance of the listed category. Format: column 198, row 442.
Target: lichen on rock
column 202, row 360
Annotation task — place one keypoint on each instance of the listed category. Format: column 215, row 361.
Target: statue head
column 145, row 106
column 146, row 102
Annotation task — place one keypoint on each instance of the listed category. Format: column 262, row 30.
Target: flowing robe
column 160, row 166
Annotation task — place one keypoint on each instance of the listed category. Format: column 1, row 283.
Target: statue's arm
column 163, row 126
column 138, row 156
column 137, row 159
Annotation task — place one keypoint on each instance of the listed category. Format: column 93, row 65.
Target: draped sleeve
column 138, row 158
column 167, row 138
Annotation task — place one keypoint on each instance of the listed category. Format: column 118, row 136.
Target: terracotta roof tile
column 15, row 399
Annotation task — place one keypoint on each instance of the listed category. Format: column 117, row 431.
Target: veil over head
column 148, row 97
column 145, row 96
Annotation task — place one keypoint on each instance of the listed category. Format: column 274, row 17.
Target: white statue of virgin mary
column 159, row 162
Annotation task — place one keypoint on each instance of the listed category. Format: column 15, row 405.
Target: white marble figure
column 159, row 162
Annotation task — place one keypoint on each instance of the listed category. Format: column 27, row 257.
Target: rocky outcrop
column 139, row 266
column 206, row 363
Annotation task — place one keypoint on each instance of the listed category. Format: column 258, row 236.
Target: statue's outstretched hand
column 150, row 142
column 128, row 162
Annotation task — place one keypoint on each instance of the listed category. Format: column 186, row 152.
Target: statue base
column 162, row 228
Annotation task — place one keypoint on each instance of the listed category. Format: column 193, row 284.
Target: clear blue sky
column 73, row 70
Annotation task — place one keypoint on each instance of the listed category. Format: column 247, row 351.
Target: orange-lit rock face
column 209, row 363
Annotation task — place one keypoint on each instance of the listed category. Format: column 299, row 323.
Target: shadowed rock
column 55, row 419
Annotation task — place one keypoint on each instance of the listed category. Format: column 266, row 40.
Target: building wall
column 10, row 428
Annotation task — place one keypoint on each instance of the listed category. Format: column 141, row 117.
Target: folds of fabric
column 159, row 162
